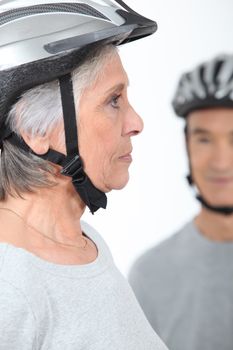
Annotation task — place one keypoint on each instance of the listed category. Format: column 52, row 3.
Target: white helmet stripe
column 209, row 76
column 197, row 83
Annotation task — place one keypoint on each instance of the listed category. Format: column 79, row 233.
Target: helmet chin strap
column 71, row 163
column 73, row 167
column 224, row 210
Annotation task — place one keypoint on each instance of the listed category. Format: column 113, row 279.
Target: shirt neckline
column 204, row 240
column 70, row 271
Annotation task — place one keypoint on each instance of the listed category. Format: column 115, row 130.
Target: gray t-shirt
column 185, row 287
column 49, row 306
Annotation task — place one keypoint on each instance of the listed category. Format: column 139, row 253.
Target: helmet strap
column 224, row 210
column 71, row 163
column 93, row 197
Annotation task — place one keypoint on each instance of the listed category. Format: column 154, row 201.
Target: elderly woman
column 66, row 128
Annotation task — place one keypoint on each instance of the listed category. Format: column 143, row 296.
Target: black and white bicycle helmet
column 43, row 40
column 210, row 84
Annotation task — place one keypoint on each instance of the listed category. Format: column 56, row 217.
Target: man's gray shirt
column 185, row 287
column 49, row 306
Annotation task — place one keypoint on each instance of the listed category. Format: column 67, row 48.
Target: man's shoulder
column 167, row 250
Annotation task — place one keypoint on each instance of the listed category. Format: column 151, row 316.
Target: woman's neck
column 55, row 211
column 47, row 223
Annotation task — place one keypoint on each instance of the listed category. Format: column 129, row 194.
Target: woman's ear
column 39, row 144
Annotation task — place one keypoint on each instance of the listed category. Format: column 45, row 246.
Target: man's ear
column 39, row 144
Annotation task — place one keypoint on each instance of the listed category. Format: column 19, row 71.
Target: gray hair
column 38, row 111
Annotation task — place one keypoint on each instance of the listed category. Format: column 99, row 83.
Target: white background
column 157, row 200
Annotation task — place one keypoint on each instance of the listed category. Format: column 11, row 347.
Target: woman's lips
column 126, row 158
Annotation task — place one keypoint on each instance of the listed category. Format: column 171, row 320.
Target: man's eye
column 203, row 140
column 115, row 101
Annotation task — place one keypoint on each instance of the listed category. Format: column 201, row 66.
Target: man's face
column 210, row 146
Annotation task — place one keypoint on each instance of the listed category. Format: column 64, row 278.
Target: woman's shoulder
column 21, row 283
column 16, row 313
column 18, row 325
column 15, row 269
column 11, row 279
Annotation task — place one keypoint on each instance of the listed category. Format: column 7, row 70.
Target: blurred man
column 185, row 284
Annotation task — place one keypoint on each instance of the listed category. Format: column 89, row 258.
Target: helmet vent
column 48, row 8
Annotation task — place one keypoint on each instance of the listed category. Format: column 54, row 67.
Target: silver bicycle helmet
column 43, row 40
column 210, row 84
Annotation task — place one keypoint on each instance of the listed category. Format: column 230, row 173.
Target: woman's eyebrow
column 117, row 88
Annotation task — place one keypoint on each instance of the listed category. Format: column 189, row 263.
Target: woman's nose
column 133, row 123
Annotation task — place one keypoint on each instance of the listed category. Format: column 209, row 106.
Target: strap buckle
column 74, row 169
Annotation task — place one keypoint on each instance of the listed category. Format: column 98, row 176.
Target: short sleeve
column 17, row 323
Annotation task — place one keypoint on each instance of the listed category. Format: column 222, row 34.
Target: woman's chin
column 118, row 184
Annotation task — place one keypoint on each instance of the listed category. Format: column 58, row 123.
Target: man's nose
column 222, row 157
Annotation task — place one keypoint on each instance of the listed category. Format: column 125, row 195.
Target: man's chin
column 219, row 202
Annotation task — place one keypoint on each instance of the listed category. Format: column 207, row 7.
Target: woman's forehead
column 112, row 77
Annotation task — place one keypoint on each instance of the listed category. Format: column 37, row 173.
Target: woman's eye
column 115, row 101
